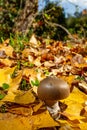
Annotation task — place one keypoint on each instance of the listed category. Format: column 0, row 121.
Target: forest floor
column 23, row 64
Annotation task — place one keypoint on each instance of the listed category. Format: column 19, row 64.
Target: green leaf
column 1, row 96
column 12, row 43
column 24, row 85
column 3, row 109
column 21, row 46
column 19, row 65
column 5, row 86
column 14, row 74
column 47, row 16
column 25, row 64
column 80, row 78
column 35, row 83
column 31, row 65
column 46, row 72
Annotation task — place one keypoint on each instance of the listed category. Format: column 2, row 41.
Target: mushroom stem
column 54, row 109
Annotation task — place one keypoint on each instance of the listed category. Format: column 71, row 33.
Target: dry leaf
column 8, row 50
column 75, row 104
column 5, row 75
column 34, row 41
column 10, row 121
column 24, row 97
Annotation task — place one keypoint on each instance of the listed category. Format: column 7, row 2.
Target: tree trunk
column 25, row 19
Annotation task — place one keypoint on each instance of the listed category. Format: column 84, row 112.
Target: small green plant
column 24, row 85
column 3, row 91
column 31, row 65
column 35, row 83
column 17, row 43
column 8, row 11
column 80, row 78
column 2, row 96
column 5, row 86
column 19, row 65
column 14, row 74
column 46, row 72
column 3, row 108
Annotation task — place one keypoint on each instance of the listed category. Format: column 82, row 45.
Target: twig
column 58, row 25
column 62, row 27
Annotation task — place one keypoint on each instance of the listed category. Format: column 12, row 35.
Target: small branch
column 58, row 25
column 62, row 27
column 49, row 10
column 21, row 4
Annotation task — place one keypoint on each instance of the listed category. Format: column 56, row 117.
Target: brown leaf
column 7, row 49
column 23, row 111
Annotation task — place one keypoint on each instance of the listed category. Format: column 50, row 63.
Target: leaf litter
column 21, row 72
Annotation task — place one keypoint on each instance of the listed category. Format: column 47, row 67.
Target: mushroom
column 51, row 90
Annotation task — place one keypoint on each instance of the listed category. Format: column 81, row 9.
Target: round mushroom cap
column 53, row 88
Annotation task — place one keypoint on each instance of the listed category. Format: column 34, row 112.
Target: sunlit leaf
column 7, row 62
column 5, row 75
column 19, row 103
column 24, row 97
column 34, row 41
column 75, row 103
column 8, row 50
column 10, row 121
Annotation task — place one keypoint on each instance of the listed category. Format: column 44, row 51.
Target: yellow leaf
column 34, row 41
column 7, row 62
column 5, row 75
column 73, row 111
column 69, row 78
column 29, row 72
column 25, row 53
column 83, row 126
column 8, row 50
column 11, row 121
column 20, row 97
column 23, row 111
column 13, row 88
column 37, row 61
column 75, row 104
column 15, row 82
column 81, row 65
column 36, row 107
column 43, row 120
column 24, row 97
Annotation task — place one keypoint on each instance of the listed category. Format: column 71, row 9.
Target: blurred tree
column 47, row 2
column 26, row 17
column 77, row 25
column 8, row 11
column 51, row 13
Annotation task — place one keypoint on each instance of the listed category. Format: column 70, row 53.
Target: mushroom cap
column 53, row 88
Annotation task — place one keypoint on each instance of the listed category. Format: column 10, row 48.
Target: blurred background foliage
column 52, row 12
column 77, row 24
column 9, row 10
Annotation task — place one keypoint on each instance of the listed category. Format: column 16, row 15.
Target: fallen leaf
column 8, row 50
column 7, row 62
column 5, row 75
column 33, row 41
column 74, row 105
column 34, row 122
